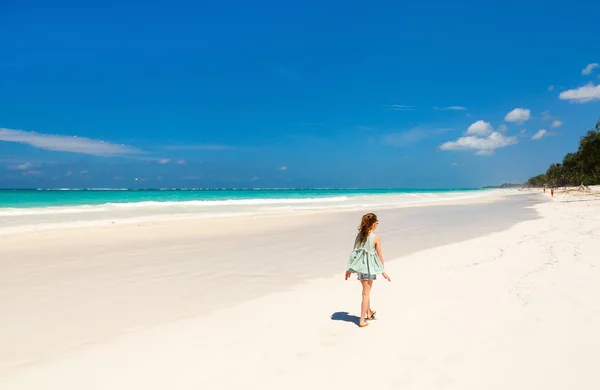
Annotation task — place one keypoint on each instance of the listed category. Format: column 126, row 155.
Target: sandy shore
column 493, row 294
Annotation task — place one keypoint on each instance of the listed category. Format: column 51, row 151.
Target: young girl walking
column 366, row 261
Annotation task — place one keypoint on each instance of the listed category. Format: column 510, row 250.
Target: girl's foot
column 371, row 315
column 363, row 324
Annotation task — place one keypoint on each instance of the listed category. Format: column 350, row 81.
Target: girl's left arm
column 378, row 248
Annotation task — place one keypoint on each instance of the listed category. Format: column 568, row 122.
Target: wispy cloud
column 518, row 115
column 584, row 94
column 400, row 107
column 589, row 68
column 546, row 116
column 450, row 108
column 539, row 135
column 282, row 168
column 163, row 160
column 551, row 88
column 213, row 147
column 62, row 143
column 20, row 167
column 503, row 128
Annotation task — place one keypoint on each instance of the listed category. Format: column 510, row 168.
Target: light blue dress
column 364, row 259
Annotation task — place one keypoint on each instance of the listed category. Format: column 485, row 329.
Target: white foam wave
column 14, row 212
column 230, row 202
column 7, row 212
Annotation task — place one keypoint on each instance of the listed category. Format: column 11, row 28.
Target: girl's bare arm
column 378, row 248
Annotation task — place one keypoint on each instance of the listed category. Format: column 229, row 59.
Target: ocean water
column 26, row 210
column 90, row 197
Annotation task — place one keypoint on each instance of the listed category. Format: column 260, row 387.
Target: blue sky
column 293, row 94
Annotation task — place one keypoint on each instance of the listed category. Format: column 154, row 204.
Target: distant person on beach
column 366, row 260
column 552, row 192
column 583, row 187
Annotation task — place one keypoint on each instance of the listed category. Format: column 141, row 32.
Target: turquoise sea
column 70, row 197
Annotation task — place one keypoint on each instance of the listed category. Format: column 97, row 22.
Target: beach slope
column 511, row 307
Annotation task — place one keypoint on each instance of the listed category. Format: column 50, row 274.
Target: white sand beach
column 499, row 292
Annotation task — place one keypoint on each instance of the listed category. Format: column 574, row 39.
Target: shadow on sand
column 345, row 317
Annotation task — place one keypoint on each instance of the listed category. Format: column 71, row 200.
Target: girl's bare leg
column 366, row 300
column 370, row 311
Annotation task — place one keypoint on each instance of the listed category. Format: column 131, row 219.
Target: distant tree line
column 505, row 185
column 581, row 167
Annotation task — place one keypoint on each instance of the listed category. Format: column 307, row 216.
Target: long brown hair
column 366, row 225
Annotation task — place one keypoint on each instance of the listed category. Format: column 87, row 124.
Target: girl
column 366, row 261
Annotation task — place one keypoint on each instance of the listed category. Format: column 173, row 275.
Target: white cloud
column 483, row 146
column 551, row 88
column 480, row 128
column 583, row 94
column 213, row 147
column 62, row 143
column 20, row 167
column 503, row 128
column 455, row 164
column 181, row 162
column 24, row 166
column 400, row 107
column 518, row 115
column 557, row 123
column 163, row 160
column 84, row 172
column 283, row 168
column 589, row 68
column 539, row 135
column 450, row 108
